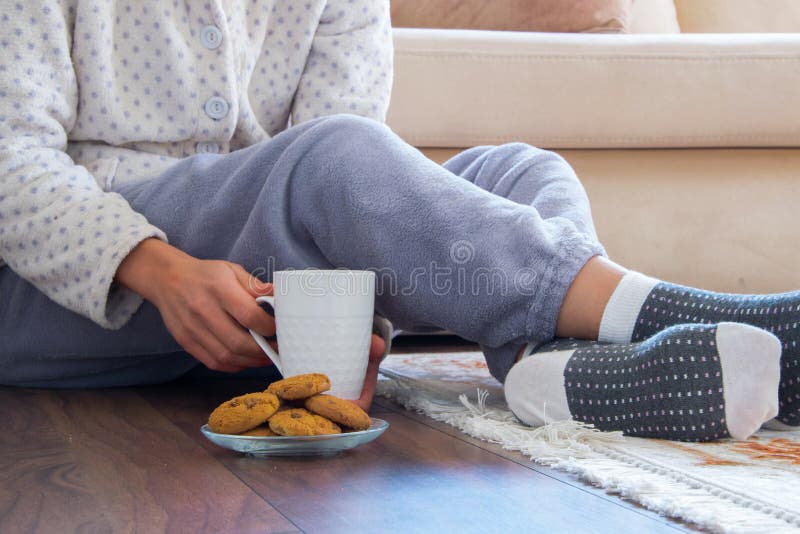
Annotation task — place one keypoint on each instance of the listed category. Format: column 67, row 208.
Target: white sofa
column 688, row 143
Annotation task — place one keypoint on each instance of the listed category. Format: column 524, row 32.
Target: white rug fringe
column 599, row 458
column 549, row 443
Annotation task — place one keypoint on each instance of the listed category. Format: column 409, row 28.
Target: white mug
column 323, row 321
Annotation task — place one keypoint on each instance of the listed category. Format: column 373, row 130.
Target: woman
column 145, row 156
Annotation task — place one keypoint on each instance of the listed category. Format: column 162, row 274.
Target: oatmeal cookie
column 339, row 411
column 300, row 386
column 260, row 431
column 243, row 413
column 293, row 422
column 325, row 426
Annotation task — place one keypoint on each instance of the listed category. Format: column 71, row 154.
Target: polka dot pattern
column 669, row 304
column 668, row 386
column 96, row 93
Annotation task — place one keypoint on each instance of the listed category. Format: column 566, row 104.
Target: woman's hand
column 207, row 305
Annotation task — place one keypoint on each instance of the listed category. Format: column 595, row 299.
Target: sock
column 689, row 382
column 642, row 306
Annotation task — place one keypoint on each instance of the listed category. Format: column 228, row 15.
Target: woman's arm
column 58, row 229
column 349, row 67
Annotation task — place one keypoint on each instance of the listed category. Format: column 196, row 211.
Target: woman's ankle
column 587, row 297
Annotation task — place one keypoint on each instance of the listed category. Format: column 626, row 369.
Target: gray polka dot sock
column 689, row 382
column 646, row 306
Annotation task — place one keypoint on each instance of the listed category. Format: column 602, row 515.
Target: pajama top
column 97, row 91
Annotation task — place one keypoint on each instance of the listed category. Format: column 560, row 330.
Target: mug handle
column 273, row 355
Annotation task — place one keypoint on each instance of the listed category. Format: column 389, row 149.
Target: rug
column 726, row 486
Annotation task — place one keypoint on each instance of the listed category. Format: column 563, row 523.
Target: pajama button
column 216, row 107
column 207, row 148
column 211, row 37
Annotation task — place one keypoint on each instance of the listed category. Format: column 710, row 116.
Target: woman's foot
column 689, row 382
column 642, row 306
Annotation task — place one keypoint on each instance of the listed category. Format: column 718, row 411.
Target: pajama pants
column 484, row 246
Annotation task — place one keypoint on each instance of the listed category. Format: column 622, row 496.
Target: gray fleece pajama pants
column 484, row 246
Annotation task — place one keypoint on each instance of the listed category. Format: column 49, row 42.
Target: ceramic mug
column 323, row 320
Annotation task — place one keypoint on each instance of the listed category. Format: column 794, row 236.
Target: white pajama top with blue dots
column 100, row 91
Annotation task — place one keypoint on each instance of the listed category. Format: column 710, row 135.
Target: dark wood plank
column 103, row 461
column 414, row 478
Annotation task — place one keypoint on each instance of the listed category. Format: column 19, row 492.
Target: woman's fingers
column 251, row 283
column 377, row 347
column 246, row 311
column 242, row 305
column 203, row 347
column 370, row 382
column 231, row 343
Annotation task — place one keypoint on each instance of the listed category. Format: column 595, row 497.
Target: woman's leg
column 528, row 175
column 543, row 180
column 340, row 192
column 45, row 345
column 677, row 362
column 689, row 382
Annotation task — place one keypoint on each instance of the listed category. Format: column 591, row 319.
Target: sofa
column 684, row 127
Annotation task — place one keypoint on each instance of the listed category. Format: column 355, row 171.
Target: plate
column 297, row 445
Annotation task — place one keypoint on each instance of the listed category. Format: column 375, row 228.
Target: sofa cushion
column 515, row 15
column 458, row 88
column 742, row 16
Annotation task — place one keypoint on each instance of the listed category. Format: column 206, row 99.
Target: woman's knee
column 488, row 166
column 350, row 153
column 352, row 130
column 522, row 157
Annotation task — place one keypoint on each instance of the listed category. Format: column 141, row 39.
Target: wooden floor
column 134, row 460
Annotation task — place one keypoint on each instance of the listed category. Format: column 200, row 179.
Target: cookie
column 300, row 386
column 243, row 413
column 293, row 422
column 259, row 431
column 325, row 426
column 339, row 411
